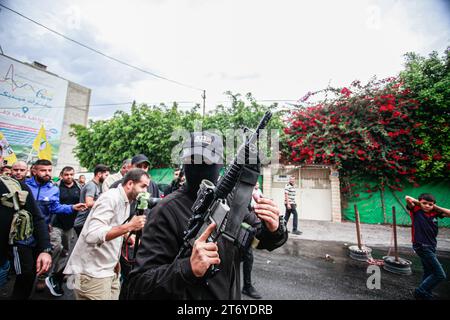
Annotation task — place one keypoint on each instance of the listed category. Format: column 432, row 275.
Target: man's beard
column 43, row 179
column 133, row 194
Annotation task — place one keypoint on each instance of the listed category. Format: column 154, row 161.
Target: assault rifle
column 211, row 205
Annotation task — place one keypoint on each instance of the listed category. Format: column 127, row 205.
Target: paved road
column 373, row 235
column 299, row 271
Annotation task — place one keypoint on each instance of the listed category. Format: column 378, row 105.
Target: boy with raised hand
column 424, row 213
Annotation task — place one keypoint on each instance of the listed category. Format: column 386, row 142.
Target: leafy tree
column 246, row 114
column 429, row 81
column 145, row 130
column 148, row 130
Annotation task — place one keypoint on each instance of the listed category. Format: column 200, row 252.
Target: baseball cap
column 206, row 147
column 137, row 159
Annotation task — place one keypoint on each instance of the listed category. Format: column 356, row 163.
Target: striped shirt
column 290, row 191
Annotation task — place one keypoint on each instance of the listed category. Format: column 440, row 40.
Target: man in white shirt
column 126, row 166
column 94, row 262
column 291, row 206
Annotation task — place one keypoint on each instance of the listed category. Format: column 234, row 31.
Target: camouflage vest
column 22, row 223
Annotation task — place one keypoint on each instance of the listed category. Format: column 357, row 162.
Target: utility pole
column 204, row 102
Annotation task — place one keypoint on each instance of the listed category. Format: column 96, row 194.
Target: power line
column 156, row 103
column 101, row 53
column 75, row 106
column 277, row 100
column 267, row 100
column 80, row 106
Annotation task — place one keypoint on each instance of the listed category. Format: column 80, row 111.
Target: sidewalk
column 373, row 235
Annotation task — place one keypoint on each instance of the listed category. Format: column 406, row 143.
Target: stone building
column 33, row 96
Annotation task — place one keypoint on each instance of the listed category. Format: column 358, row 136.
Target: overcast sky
column 274, row 49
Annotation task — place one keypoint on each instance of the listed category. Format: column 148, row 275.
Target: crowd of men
column 103, row 219
column 130, row 241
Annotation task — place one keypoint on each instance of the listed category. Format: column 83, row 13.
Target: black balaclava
column 195, row 173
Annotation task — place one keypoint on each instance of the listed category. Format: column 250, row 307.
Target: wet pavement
column 373, row 235
column 299, row 270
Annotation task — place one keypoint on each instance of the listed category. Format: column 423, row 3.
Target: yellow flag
column 8, row 153
column 42, row 146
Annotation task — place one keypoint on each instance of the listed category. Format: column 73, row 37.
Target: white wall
column 76, row 112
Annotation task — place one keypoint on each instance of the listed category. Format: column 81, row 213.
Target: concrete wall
column 76, row 112
column 335, row 196
column 331, row 195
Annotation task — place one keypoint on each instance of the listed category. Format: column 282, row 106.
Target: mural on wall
column 29, row 99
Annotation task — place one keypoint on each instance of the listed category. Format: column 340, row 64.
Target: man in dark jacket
column 31, row 257
column 46, row 195
column 62, row 231
column 160, row 274
column 177, row 182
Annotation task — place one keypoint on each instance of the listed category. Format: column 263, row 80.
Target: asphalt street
column 299, row 270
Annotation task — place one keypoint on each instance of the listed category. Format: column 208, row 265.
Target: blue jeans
column 433, row 273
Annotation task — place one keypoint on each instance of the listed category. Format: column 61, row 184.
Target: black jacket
column 40, row 228
column 67, row 196
column 158, row 275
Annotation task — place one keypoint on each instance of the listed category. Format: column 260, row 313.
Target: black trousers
column 292, row 211
column 78, row 230
column 247, row 267
column 27, row 268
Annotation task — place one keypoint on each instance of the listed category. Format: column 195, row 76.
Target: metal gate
column 315, row 194
column 313, row 191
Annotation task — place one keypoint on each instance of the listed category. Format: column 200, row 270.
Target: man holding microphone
column 94, row 263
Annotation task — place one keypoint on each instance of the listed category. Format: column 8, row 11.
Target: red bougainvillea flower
column 365, row 131
column 437, row 157
column 346, row 92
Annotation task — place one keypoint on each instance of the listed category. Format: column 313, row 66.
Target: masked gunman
column 161, row 272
